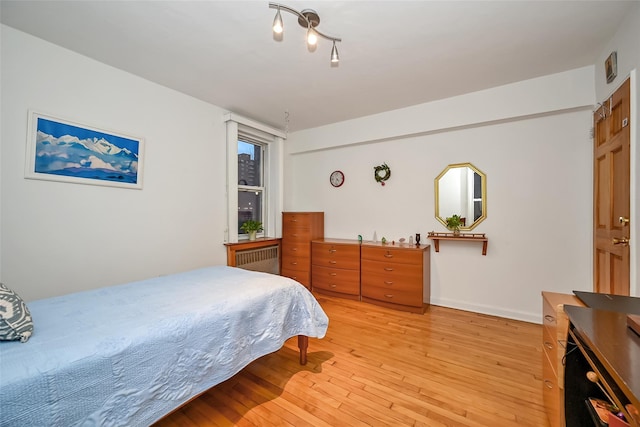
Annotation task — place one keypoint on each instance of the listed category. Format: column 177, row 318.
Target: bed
column 127, row 355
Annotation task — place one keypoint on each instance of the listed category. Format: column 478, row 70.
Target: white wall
column 59, row 237
column 530, row 139
column 625, row 43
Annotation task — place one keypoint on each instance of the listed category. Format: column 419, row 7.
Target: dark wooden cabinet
column 601, row 342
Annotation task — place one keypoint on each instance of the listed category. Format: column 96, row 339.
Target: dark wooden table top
column 615, row 345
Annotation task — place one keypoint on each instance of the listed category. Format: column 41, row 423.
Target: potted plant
column 453, row 223
column 251, row 227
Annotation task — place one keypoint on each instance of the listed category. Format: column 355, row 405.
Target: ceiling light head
column 278, row 25
column 334, row 54
column 312, row 37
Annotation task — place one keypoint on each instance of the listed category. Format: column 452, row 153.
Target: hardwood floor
column 381, row 367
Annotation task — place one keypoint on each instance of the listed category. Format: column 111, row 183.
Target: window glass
column 249, row 207
column 250, row 183
column 249, row 164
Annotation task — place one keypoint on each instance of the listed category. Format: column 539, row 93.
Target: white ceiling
column 393, row 54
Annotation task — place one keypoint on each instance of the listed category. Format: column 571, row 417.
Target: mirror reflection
column 461, row 189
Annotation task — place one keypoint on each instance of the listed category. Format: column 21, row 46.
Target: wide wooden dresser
column 298, row 230
column 554, row 341
column 396, row 276
column 335, row 268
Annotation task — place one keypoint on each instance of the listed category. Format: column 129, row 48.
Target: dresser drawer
column 549, row 315
column 550, row 392
column 550, row 347
column 410, row 297
column 300, row 276
column 335, row 255
column 336, row 280
column 389, row 254
column 297, row 249
column 296, row 263
column 290, row 219
column 392, row 272
column 300, row 233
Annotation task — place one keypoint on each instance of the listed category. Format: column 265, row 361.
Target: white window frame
column 262, row 188
column 272, row 174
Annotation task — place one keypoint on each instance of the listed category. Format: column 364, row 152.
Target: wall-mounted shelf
column 462, row 237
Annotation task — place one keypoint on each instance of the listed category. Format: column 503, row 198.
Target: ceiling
column 393, row 54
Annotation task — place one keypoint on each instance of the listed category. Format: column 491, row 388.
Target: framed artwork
column 611, row 66
column 61, row 150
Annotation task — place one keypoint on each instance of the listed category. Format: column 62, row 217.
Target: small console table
column 478, row 237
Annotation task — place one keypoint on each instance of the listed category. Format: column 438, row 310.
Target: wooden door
column 611, row 193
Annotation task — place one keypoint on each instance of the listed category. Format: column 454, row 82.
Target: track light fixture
column 309, row 20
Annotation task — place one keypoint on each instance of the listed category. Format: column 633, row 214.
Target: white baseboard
column 487, row 309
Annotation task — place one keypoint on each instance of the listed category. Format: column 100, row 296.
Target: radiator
column 261, row 259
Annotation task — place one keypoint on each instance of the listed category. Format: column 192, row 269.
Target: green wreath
column 382, row 173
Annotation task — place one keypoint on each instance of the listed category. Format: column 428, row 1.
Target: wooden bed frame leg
column 303, row 343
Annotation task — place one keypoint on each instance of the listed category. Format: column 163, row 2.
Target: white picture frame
column 66, row 151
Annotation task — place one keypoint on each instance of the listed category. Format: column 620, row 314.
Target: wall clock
column 336, row 178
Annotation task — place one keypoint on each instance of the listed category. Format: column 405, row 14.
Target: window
column 251, row 190
column 254, row 177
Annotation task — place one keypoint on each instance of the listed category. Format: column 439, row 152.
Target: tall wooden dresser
column 554, row 340
column 396, row 276
column 335, row 267
column 298, row 230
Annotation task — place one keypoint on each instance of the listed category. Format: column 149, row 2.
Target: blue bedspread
column 127, row 355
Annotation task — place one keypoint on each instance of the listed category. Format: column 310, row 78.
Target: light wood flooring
column 381, row 367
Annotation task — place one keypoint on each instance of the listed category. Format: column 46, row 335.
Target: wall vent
column 261, row 259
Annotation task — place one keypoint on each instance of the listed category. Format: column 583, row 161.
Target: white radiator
column 261, row 259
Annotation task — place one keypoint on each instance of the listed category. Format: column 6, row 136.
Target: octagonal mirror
column 461, row 189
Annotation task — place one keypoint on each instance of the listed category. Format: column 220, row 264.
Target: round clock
column 336, row 178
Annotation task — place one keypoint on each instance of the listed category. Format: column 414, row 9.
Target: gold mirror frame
column 471, row 202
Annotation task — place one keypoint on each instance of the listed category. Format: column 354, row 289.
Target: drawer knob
column 333, row 274
column 548, row 345
column 386, row 282
column 294, row 263
column 332, row 251
column 333, row 286
column 549, row 318
column 388, row 295
column 333, row 262
column 388, row 255
column 548, row 384
column 388, row 269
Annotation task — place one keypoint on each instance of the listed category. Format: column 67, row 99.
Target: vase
column 456, row 232
column 252, row 235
